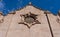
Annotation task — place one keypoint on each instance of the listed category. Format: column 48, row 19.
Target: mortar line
column 49, row 25
column 9, row 27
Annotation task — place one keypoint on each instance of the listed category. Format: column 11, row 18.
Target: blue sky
column 7, row 6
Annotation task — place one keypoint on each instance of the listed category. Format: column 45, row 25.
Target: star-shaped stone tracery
column 30, row 19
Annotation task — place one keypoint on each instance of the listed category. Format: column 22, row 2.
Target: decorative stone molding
column 58, row 18
column 1, row 18
column 29, row 19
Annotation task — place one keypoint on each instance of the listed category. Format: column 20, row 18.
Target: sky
column 7, row 6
